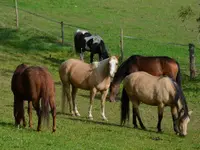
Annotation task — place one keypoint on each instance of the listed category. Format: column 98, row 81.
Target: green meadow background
column 152, row 24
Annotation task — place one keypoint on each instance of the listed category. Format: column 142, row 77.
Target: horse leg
column 92, row 95
column 53, row 111
column 137, row 113
column 36, row 105
column 160, row 116
column 24, row 120
column 174, row 118
column 69, row 100
column 30, row 113
column 82, row 55
column 74, row 91
column 103, row 99
column 134, row 118
column 91, row 57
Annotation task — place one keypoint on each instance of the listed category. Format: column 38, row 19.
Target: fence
column 191, row 49
column 60, row 28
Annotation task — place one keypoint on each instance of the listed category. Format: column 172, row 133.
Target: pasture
column 157, row 24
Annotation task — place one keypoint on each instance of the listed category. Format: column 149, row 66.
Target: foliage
column 186, row 12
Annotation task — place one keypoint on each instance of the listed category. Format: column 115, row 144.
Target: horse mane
column 95, row 64
column 180, row 95
column 123, row 69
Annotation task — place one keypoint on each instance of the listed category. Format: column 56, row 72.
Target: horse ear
column 190, row 112
column 117, row 57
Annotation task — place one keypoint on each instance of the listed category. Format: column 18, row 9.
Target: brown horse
column 141, row 87
column 155, row 65
column 93, row 77
column 32, row 84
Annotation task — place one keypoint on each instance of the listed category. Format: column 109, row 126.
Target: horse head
column 113, row 64
column 183, row 121
column 114, row 90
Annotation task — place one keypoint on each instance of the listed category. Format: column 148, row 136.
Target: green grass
column 37, row 42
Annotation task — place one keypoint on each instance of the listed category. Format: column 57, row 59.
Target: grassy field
column 37, row 42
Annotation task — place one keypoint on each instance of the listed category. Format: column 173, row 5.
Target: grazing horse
column 155, row 65
column 33, row 83
column 141, row 87
column 93, row 77
column 85, row 41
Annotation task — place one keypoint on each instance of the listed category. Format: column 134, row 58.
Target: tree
column 186, row 12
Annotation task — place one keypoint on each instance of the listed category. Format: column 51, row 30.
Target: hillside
column 155, row 25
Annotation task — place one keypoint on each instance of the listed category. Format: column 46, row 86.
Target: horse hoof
column 90, row 118
column 143, row 128
column 160, row 131
column 54, row 130
column 105, row 119
column 77, row 114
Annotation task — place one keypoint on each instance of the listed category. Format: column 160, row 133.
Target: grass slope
column 38, row 43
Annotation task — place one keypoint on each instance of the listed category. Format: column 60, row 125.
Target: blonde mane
column 100, row 66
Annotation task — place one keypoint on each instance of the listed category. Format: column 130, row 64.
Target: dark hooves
column 159, row 131
column 143, row 128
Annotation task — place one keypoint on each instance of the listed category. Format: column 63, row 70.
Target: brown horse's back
column 30, row 82
column 38, row 83
column 33, row 84
column 158, row 66
column 16, row 83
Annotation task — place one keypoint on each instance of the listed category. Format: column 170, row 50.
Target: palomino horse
column 141, row 87
column 93, row 77
column 155, row 65
column 85, row 41
column 31, row 84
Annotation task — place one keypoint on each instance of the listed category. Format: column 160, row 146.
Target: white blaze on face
column 183, row 126
column 113, row 66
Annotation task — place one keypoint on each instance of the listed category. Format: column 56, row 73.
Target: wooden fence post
column 121, row 45
column 62, row 32
column 17, row 17
column 192, row 61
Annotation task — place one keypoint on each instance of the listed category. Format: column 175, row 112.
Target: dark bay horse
column 96, row 77
column 141, row 87
column 155, row 65
column 85, row 41
column 33, row 83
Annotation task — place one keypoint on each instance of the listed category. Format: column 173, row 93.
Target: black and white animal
column 85, row 41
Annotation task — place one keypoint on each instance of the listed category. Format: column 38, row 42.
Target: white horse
column 93, row 77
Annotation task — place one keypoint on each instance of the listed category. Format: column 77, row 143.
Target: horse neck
column 182, row 105
column 102, row 68
column 120, row 74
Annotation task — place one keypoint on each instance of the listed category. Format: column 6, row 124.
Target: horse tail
column 45, row 107
column 124, row 107
column 178, row 76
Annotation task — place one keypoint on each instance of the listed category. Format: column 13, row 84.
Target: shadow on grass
column 6, row 124
column 85, row 120
column 98, row 96
column 29, row 40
